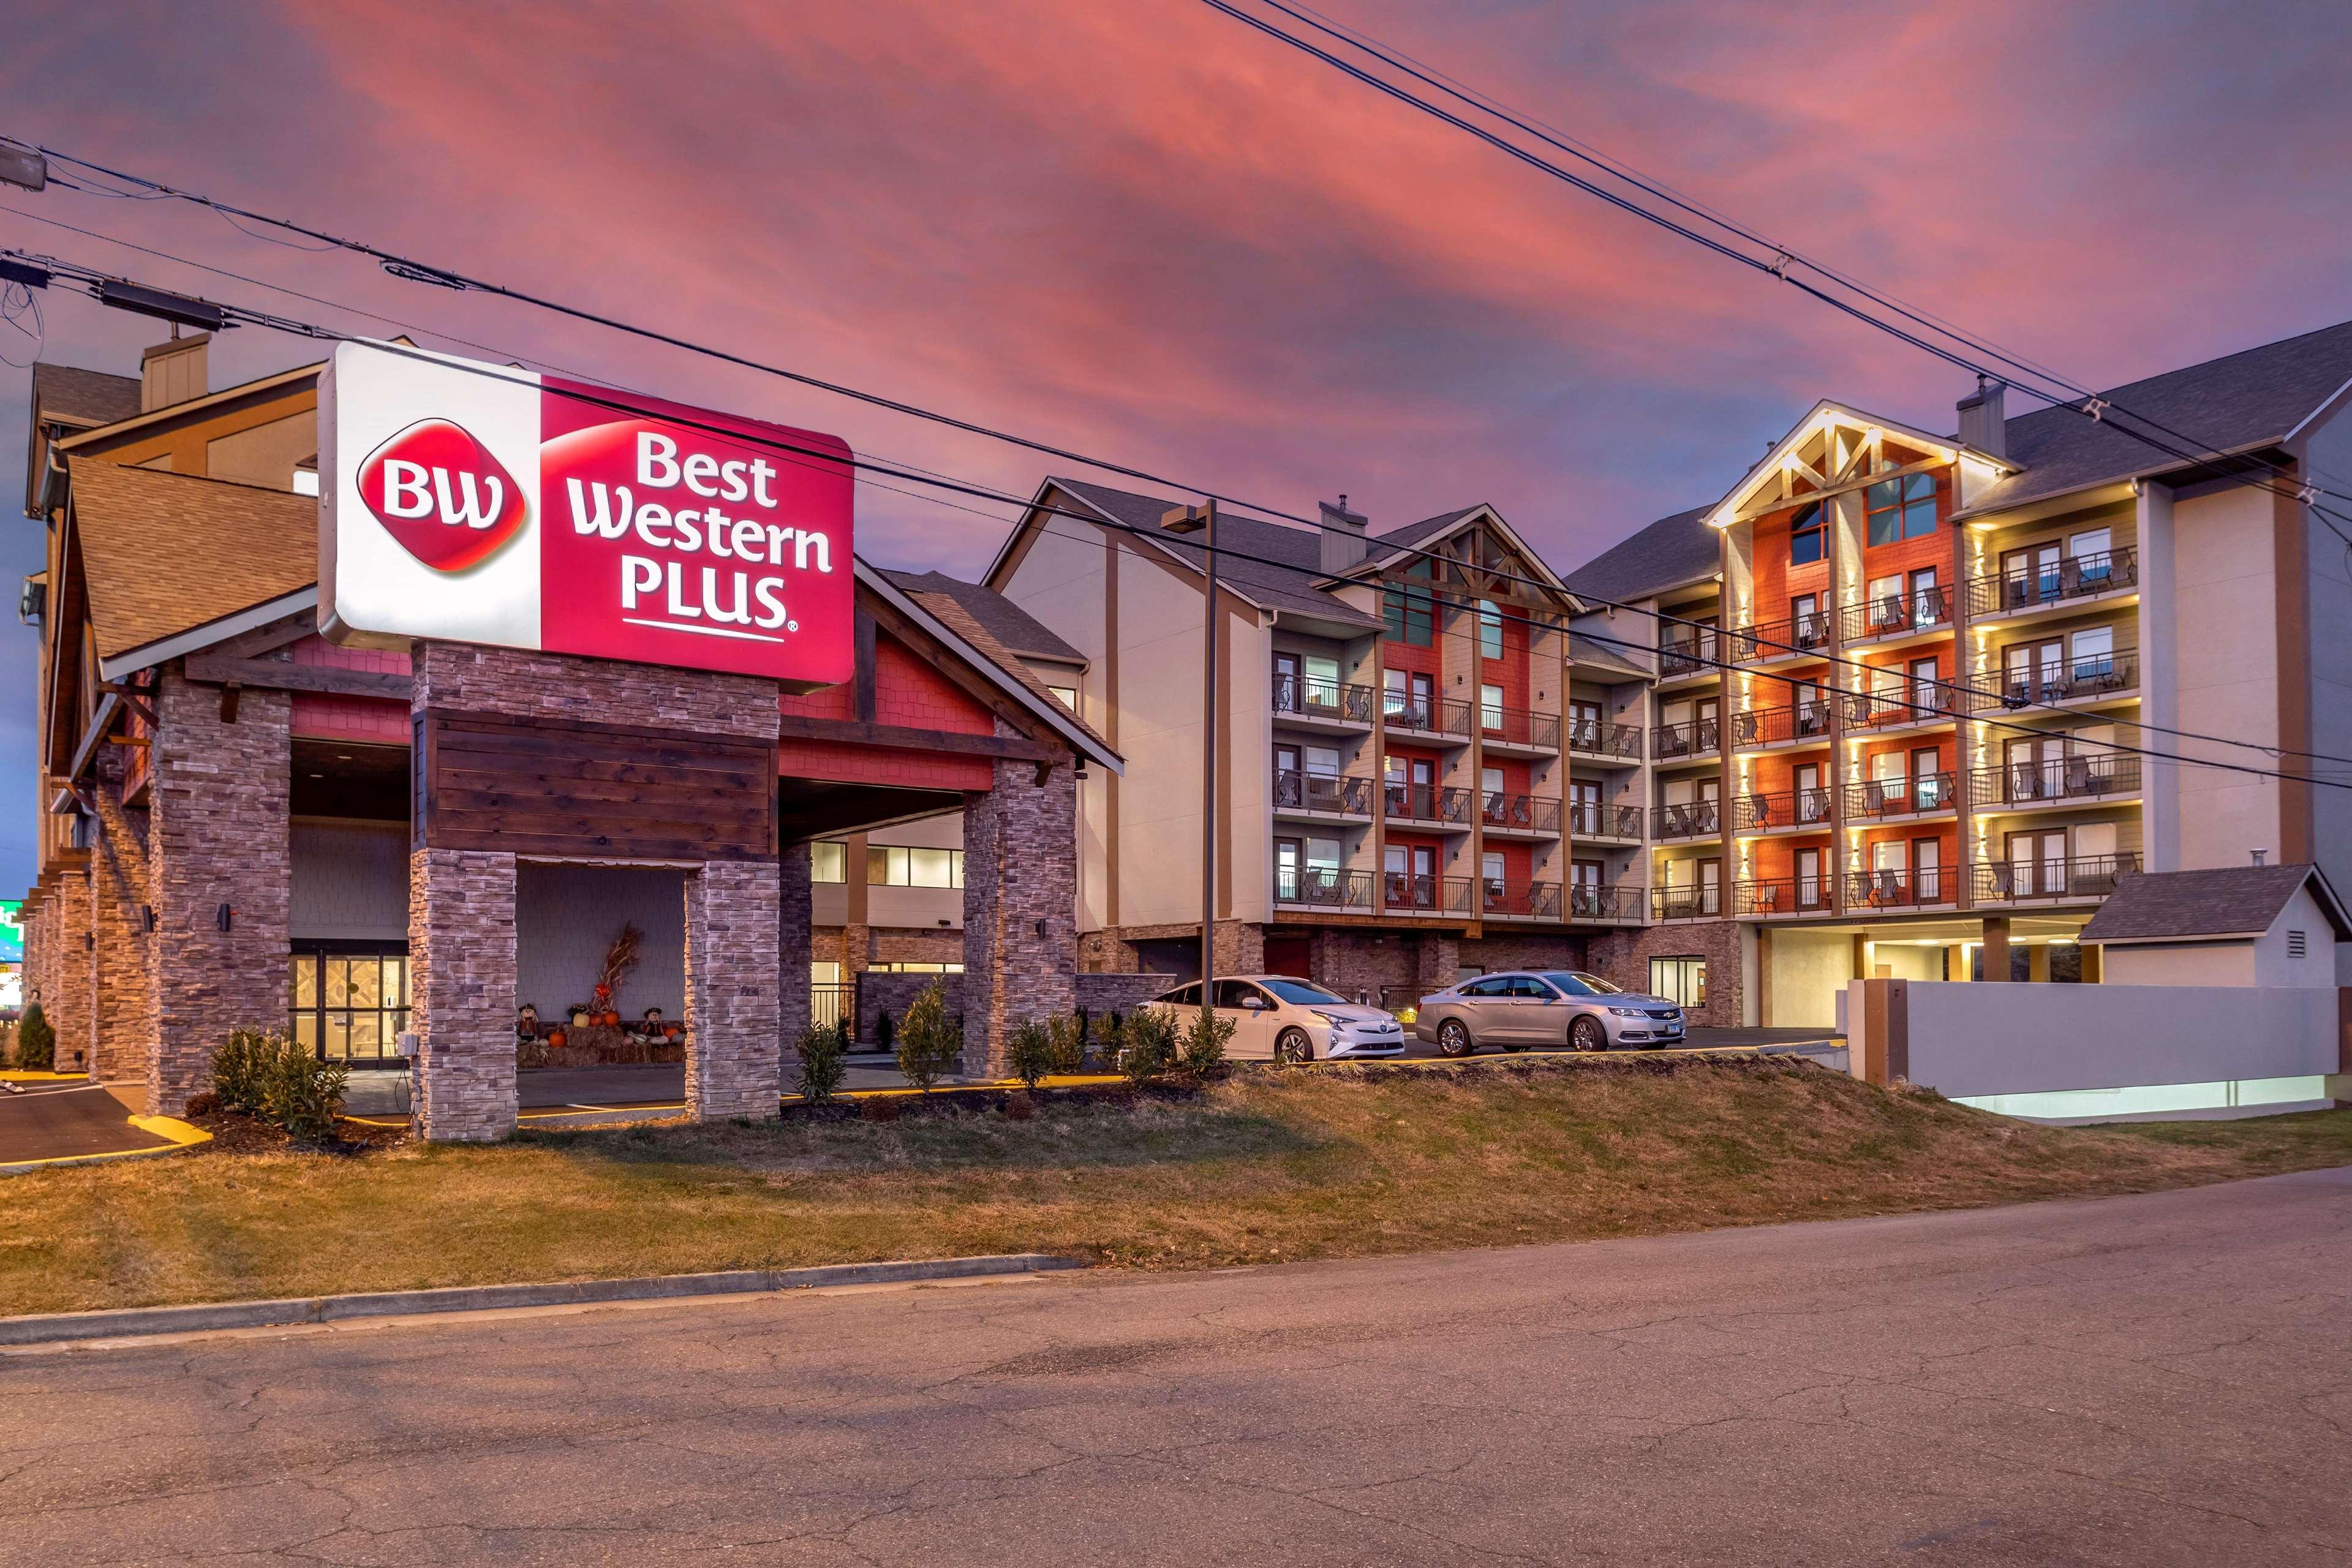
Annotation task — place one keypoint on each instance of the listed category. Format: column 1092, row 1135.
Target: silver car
column 1281, row 1018
column 1545, row 1007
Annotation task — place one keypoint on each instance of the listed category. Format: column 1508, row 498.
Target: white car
column 1281, row 1018
column 1518, row 1009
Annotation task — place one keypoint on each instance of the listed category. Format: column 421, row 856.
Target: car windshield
column 1298, row 991
column 1578, row 984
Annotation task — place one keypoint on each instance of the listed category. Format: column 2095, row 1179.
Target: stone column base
column 461, row 961
column 734, row 1059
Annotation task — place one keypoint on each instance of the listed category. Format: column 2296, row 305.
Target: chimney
column 1983, row 423
column 173, row 372
column 1344, row 545
column 2258, row 855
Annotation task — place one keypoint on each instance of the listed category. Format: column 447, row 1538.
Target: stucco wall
column 2328, row 577
column 2180, row 964
column 2226, row 664
column 1809, row 969
column 350, row 878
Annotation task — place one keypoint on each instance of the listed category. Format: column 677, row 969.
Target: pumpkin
column 555, row 1038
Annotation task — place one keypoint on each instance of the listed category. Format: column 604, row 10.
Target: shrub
column 1147, row 1044
column 241, row 1069
column 1107, row 1030
column 302, row 1094
column 1067, row 1050
column 1029, row 1052
column 929, row 1040
column 822, row 1048
column 37, row 1041
column 1205, row 1039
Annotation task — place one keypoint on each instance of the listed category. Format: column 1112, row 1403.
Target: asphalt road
column 2153, row 1380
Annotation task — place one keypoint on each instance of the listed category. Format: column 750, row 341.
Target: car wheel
column 1586, row 1034
column 1292, row 1047
column 1454, row 1040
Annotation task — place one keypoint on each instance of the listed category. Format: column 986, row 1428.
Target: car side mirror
column 1252, row 1003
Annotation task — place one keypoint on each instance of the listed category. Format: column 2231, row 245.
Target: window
column 1498, row 987
column 1322, row 682
column 1900, row 509
column 1806, row 536
column 306, row 482
column 1490, row 707
column 350, row 1000
column 1679, row 979
column 1885, row 601
column 900, row 865
column 1577, row 982
column 1490, row 629
column 1411, row 612
column 827, row 861
column 904, row 968
column 1066, row 696
column 1490, row 866
column 2095, row 653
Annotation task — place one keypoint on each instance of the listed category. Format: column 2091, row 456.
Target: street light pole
column 1209, row 694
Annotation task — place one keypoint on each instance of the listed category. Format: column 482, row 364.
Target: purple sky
column 1143, row 230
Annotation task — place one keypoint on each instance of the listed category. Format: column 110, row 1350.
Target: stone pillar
column 1996, row 947
column 1239, row 948
column 1020, row 906
column 795, row 945
column 1436, row 964
column 124, row 1004
column 68, row 1001
column 216, row 836
column 733, row 1053
column 461, row 986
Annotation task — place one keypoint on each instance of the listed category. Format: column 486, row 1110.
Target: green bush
column 37, row 1041
column 823, row 1048
column 1107, row 1031
column 302, row 1094
column 1148, row 1045
column 1029, row 1052
column 1205, row 1039
column 929, row 1040
column 1067, row 1052
column 241, row 1069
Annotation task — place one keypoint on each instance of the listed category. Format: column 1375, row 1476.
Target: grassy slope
column 1327, row 1163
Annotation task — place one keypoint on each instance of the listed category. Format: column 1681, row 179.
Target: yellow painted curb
column 182, row 1136
column 178, row 1131
column 23, row 1075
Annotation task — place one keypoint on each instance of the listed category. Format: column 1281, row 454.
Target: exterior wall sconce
column 1041, row 928
column 147, row 917
column 224, row 918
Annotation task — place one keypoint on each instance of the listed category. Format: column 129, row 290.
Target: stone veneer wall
column 1100, row 993
column 125, row 1006
column 795, row 945
column 880, row 992
column 734, row 1047
column 1020, row 905
column 68, row 1000
column 1623, row 958
column 461, row 968
column 217, row 835
column 1370, row 964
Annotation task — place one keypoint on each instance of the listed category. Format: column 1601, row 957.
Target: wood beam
column 1748, row 513
column 853, row 732
column 283, row 674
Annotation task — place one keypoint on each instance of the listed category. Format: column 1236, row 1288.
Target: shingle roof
column 1583, row 651
column 1279, row 586
column 164, row 553
column 1005, row 621
column 2234, row 900
column 2240, row 400
column 1668, row 553
column 85, row 396
column 1428, row 528
column 952, row 614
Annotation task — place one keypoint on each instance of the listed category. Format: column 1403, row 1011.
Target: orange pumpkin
column 555, row 1038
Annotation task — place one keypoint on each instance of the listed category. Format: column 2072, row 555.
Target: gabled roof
column 1404, row 543
column 2240, row 401
column 1414, row 534
column 1015, row 628
column 70, row 395
column 2229, row 901
column 1587, row 654
column 1670, row 553
column 1824, row 415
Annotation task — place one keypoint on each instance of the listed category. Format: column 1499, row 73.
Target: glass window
column 1576, row 982
column 1066, row 696
column 1322, row 682
column 929, row 867
column 1411, row 611
column 1490, row 629
column 1490, row 707
column 1184, row 995
column 2095, row 652
column 1490, row 865
column 348, row 1005
column 1900, row 509
column 1679, row 979
column 828, row 860
column 1494, row 985
column 1805, row 536
column 901, row 866
column 1323, row 762
column 1301, row 992
column 1238, row 993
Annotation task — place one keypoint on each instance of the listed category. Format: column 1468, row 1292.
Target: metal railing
column 2059, row 680
column 1425, row 803
column 830, row 1004
column 1603, row 901
column 1891, row 615
column 1695, row 739
column 1298, row 791
column 2030, row 587
column 1919, row 888
column 1322, row 888
column 1908, row 702
column 1440, row 716
column 2060, row 779
column 1782, row 726
column 1780, row 809
column 1687, row 903
column 1768, row 640
column 1692, row 649
column 1501, row 725
column 1427, row 894
column 1593, row 739
column 1307, row 698
column 1503, row 899
column 1528, row 813
column 2080, row 876
column 1595, row 819
column 1692, row 819
column 1911, row 796
column 1782, row 895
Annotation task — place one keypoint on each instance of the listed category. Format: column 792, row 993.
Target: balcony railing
column 1528, row 813
column 2059, row 680
column 2030, row 587
column 1591, row 738
column 1297, row 790
column 1693, row 648
column 1783, row 896
column 1518, row 726
column 2083, row 778
column 1503, row 899
column 2083, row 876
column 1769, row 640
column 1603, row 901
column 1307, row 698
column 1908, row 702
column 1592, row 819
column 1322, row 888
column 1692, row 819
column 1687, row 903
column 1440, row 716
column 1880, row 799
column 1891, row 615
column 1427, row 894
column 1425, row 803
column 1920, row 889
column 1781, row 726
column 1695, row 739
column 1785, row 809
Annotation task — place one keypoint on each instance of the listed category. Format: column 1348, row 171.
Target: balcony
column 1689, row 652
column 1607, row 903
column 1772, row 896
column 1769, row 642
column 2084, row 878
column 2025, row 590
column 1503, row 901
column 1610, row 743
column 1323, row 888
column 1686, row 903
column 1322, row 702
column 1907, row 705
column 1297, row 794
column 1444, row 807
column 2086, row 679
column 1902, row 799
column 1444, row 719
column 2061, row 781
column 1787, row 811
column 1925, row 888
column 1692, row 819
column 1535, row 816
column 1686, row 742
column 1502, row 728
column 1410, row 895
column 1891, row 617
column 1759, row 729
column 1591, row 819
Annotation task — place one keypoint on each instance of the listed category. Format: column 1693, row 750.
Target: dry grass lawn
column 1336, row 1163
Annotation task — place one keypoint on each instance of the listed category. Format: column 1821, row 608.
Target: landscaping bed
column 1259, row 1166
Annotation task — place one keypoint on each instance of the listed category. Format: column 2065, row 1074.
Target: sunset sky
column 1140, row 229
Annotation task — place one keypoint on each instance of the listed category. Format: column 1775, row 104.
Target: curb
column 182, row 1136
column 64, row 1327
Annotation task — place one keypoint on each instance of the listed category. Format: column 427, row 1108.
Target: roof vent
column 1344, row 536
column 1983, row 426
column 2258, row 855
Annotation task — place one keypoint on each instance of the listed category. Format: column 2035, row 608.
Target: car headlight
column 1627, row 1012
column 1331, row 1018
